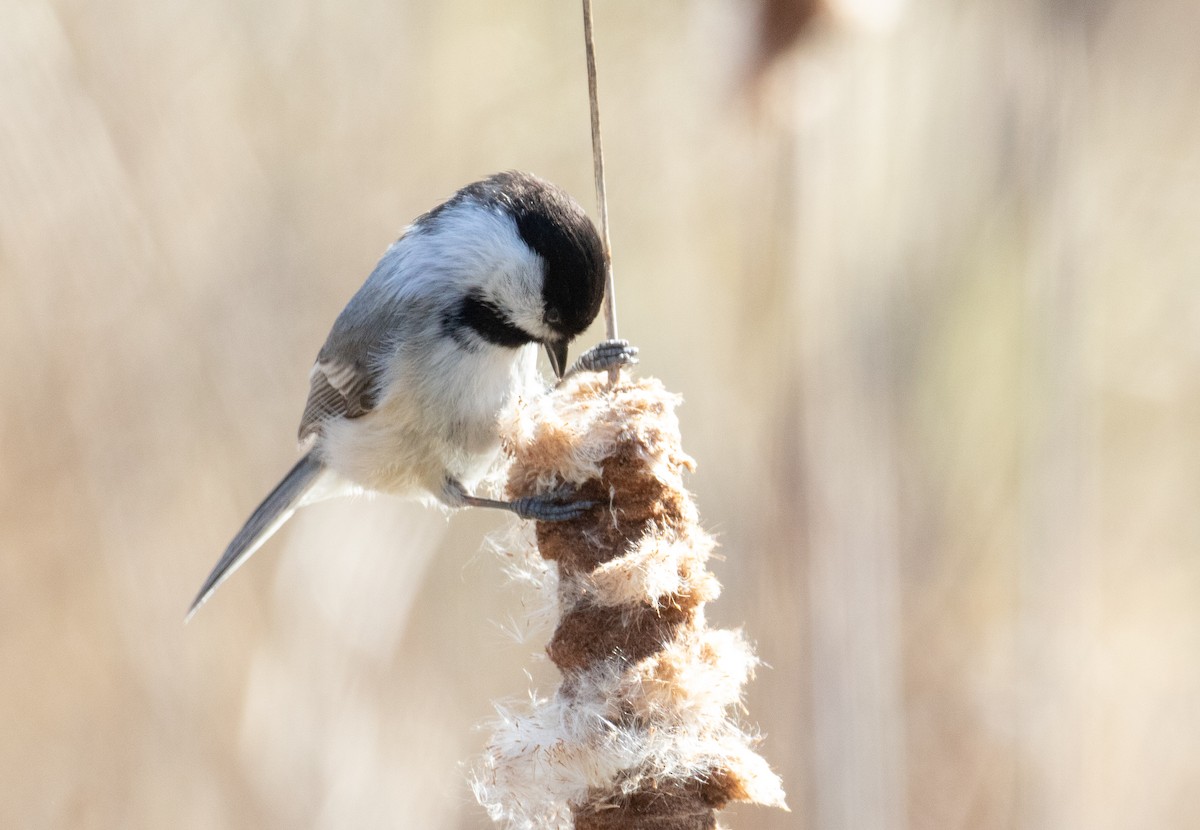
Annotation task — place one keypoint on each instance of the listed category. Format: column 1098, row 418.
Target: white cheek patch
column 470, row 247
column 487, row 252
column 519, row 293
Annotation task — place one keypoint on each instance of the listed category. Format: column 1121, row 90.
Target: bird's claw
column 551, row 507
column 609, row 354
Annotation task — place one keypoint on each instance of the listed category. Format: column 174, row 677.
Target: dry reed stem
column 640, row 733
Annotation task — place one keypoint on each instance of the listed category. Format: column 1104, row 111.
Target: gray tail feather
column 276, row 509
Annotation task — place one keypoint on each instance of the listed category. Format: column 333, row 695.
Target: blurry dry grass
column 933, row 305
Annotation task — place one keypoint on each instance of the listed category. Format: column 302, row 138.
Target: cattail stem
column 640, row 734
column 610, row 299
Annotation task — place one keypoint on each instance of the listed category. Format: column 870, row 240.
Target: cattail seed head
column 641, row 731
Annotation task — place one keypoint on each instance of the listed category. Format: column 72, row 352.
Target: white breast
column 432, row 425
column 441, row 395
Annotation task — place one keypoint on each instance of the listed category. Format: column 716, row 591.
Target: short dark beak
column 556, row 350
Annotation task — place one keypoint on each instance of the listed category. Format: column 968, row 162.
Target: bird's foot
column 558, row 506
column 609, row 354
column 551, row 507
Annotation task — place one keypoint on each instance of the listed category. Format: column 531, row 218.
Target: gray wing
column 338, row 389
column 345, row 380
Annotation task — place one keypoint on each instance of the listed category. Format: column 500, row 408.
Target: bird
column 406, row 392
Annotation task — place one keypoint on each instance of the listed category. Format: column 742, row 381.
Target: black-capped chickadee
column 407, row 389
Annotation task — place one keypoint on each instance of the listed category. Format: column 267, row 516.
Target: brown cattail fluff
column 640, row 733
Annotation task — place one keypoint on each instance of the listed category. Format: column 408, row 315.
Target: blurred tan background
column 925, row 272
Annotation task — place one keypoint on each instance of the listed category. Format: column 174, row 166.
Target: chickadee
column 406, row 391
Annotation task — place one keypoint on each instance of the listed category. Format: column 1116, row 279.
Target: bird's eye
column 554, row 316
